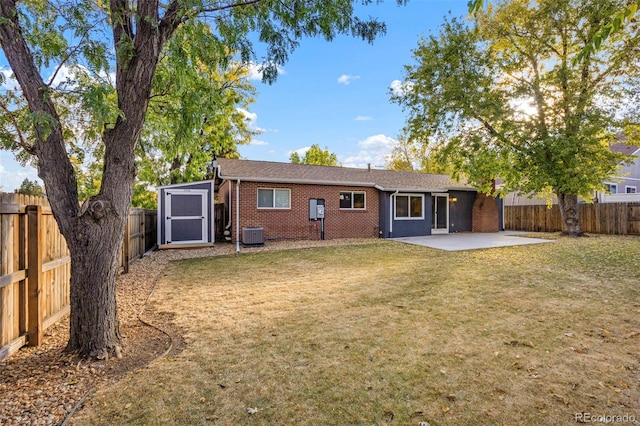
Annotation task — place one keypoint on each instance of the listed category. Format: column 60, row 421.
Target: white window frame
column 273, row 207
column 628, row 187
column 611, row 185
column 395, row 207
column 352, row 199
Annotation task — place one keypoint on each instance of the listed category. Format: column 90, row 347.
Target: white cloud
column 347, row 78
column 374, row 150
column 363, row 118
column 255, row 71
column 12, row 173
column 258, row 142
column 251, row 120
column 400, row 88
column 10, row 82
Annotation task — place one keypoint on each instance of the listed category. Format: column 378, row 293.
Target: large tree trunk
column 568, row 204
column 95, row 251
column 94, row 232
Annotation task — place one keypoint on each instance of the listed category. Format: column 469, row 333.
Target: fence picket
column 35, row 267
column 598, row 218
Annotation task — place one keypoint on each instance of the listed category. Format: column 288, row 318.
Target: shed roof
column 385, row 180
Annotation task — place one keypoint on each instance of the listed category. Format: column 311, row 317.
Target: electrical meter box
column 316, row 209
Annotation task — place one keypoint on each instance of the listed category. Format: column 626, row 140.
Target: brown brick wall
column 294, row 223
column 485, row 215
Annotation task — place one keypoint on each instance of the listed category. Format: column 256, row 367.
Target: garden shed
column 186, row 215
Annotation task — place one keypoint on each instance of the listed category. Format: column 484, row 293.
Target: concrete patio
column 472, row 241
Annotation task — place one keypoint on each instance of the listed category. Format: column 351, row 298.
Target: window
column 612, row 188
column 274, row 198
column 352, row 200
column 409, row 206
column 630, row 189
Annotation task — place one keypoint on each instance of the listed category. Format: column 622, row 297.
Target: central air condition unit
column 253, row 236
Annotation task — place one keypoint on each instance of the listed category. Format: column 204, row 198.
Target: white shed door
column 185, row 216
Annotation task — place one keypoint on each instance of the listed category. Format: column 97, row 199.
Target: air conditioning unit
column 253, row 236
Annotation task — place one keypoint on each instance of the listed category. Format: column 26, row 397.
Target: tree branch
column 54, row 166
column 22, row 142
column 176, row 14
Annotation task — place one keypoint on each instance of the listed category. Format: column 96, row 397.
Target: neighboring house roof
column 623, row 148
column 384, row 180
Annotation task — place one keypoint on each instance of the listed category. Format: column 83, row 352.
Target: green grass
column 388, row 333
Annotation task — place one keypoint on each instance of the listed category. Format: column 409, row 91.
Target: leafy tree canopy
column 29, row 187
column 317, row 156
column 505, row 99
column 611, row 24
column 408, row 155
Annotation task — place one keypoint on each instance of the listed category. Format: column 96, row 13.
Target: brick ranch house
column 281, row 200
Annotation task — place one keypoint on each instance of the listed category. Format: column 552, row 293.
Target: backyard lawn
column 389, row 333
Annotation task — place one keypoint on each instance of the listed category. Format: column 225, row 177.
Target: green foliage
column 504, row 98
column 409, row 155
column 195, row 113
column 144, row 198
column 31, row 188
column 199, row 86
column 624, row 15
column 316, row 156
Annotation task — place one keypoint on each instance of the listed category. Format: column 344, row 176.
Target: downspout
column 227, row 229
column 238, row 216
column 391, row 205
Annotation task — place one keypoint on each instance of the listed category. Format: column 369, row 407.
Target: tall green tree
column 316, row 156
column 409, row 155
column 610, row 24
column 29, row 187
column 196, row 112
column 37, row 37
column 505, row 99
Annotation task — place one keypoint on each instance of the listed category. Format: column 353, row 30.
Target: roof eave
column 392, row 189
column 297, row 181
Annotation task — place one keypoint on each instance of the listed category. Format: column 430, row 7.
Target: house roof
column 384, row 180
column 623, row 148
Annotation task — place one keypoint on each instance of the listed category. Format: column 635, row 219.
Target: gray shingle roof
column 385, row 180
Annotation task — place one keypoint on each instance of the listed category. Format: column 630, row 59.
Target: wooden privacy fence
column 140, row 235
column 35, row 267
column 598, row 218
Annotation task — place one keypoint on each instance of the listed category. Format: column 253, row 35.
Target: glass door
column 440, row 214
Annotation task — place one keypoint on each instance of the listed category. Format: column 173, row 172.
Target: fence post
column 35, row 306
column 143, row 234
column 23, row 316
column 125, row 245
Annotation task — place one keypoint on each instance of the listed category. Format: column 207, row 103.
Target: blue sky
column 333, row 94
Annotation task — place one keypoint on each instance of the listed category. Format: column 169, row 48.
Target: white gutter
column 238, row 217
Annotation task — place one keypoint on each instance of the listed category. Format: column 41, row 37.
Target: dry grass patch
column 388, row 333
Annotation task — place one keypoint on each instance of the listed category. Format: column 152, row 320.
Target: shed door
column 186, row 216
